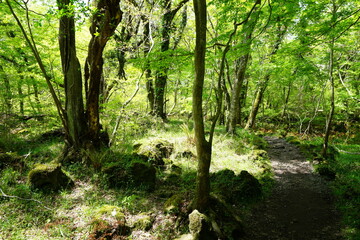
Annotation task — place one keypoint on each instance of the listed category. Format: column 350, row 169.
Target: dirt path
column 300, row 206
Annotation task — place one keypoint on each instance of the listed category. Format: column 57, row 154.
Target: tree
column 74, row 106
column 203, row 147
column 241, row 66
column 161, row 75
column 104, row 23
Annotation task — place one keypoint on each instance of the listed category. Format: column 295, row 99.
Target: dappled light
column 179, row 120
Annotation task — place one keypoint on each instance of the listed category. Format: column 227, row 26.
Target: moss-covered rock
column 225, row 219
column 325, row 171
column 11, row 160
column 49, row 177
column 133, row 174
column 235, row 188
column 200, row 227
column 154, row 151
column 143, row 222
column 143, row 174
column 172, row 205
column 108, row 222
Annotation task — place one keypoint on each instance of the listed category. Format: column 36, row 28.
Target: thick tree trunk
column 74, row 106
column 104, row 22
column 203, row 147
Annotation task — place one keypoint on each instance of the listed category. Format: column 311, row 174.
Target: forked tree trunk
column 104, row 22
column 203, row 147
column 241, row 66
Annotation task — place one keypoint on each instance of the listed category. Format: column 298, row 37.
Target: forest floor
column 300, row 206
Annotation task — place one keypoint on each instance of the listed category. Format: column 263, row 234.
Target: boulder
column 154, row 151
column 135, row 174
column 108, row 222
column 9, row 160
column 235, row 188
column 173, row 204
column 143, row 175
column 143, row 222
column 49, row 177
column 200, row 227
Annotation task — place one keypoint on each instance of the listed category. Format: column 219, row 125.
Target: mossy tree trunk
column 161, row 75
column 74, row 106
column 104, row 22
column 203, row 147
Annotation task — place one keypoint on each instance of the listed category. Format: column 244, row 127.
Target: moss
column 49, row 177
column 144, row 223
column 154, row 151
column 110, row 211
column 172, row 205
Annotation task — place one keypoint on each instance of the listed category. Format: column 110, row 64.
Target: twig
column 352, row 153
column 26, row 199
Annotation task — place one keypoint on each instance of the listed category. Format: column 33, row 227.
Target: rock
column 135, row 174
column 154, row 151
column 9, row 160
column 49, row 177
column 200, row 227
column 143, row 222
column 185, row 237
column 225, row 220
column 142, row 174
column 185, row 154
column 326, row 172
column 116, row 175
column 235, row 188
column 249, row 186
column 172, row 205
column 108, row 222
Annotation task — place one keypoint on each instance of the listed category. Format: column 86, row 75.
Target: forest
column 178, row 119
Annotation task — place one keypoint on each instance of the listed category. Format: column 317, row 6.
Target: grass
column 69, row 214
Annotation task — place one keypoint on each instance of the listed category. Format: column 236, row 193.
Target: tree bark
column 332, row 101
column 104, row 22
column 74, row 106
column 203, row 147
column 161, row 75
column 241, row 66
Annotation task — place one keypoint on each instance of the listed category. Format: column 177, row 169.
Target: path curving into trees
column 300, row 206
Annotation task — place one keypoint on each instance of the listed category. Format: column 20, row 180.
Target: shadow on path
column 300, row 206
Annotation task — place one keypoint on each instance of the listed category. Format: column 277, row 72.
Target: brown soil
column 300, row 206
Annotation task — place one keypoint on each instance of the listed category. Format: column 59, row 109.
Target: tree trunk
column 74, row 106
column 256, row 104
column 7, row 91
column 161, row 75
column 104, row 22
column 149, row 80
column 241, row 66
column 203, row 147
column 332, row 101
column 21, row 97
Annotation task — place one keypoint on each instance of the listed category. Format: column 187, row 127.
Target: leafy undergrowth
column 94, row 208
column 342, row 168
